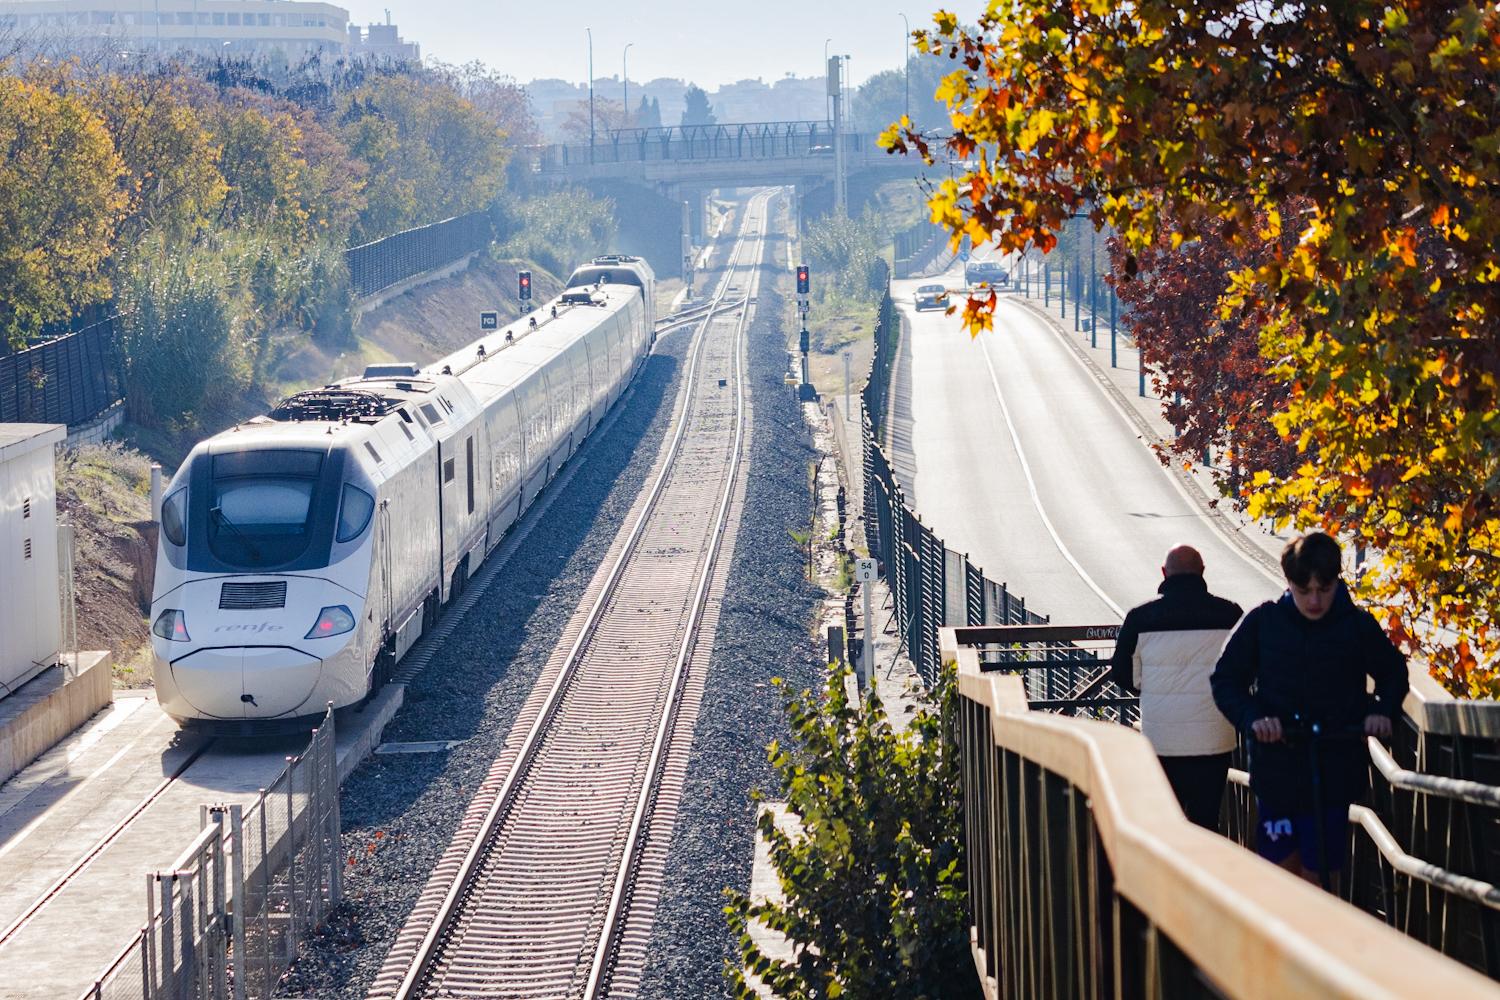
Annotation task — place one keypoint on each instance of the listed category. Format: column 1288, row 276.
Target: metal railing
column 931, row 585
column 69, row 380
column 751, row 141
column 384, row 262
column 1419, row 857
column 1085, row 879
column 226, row 919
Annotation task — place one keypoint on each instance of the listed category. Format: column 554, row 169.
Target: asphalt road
column 1024, row 462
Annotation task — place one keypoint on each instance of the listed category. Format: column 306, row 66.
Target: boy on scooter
column 1292, row 678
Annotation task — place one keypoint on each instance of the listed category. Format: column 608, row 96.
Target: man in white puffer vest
column 1166, row 652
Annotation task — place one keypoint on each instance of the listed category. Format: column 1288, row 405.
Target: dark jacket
column 1278, row 663
column 1165, row 651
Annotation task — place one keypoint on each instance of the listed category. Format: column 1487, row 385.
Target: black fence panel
column 385, row 262
column 69, row 380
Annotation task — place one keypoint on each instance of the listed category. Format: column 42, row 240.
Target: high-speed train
column 302, row 552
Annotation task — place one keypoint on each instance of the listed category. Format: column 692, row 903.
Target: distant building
column 292, row 27
column 382, row 41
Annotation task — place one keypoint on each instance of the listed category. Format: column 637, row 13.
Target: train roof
column 505, row 362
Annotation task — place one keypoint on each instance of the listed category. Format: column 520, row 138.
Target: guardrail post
column 291, row 878
column 265, row 892
column 236, row 903
column 156, row 492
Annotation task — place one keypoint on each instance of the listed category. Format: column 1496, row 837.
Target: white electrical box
column 30, row 604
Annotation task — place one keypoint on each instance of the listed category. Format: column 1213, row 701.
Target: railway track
column 84, row 860
column 534, row 898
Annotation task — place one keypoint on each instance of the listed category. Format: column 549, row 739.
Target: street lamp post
column 625, row 78
column 906, row 62
column 590, row 33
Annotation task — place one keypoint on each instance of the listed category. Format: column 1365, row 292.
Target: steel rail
column 102, row 844
column 614, row 915
column 427, row 950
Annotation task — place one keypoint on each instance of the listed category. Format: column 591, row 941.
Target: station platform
column 83, row 827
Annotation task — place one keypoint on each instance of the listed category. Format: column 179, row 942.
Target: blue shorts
column 1277, row 837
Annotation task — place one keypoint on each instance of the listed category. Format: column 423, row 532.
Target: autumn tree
column 1205, row 361
column 171, row 178
column 1381, row 313
column 499, row 98
column 286, row 175
column 431, row 154
column 608, row 114
column 60, row 202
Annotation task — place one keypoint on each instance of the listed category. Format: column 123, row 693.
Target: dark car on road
column 985, row 272
column 931, row 297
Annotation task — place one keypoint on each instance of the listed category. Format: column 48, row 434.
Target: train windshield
column 262, row 505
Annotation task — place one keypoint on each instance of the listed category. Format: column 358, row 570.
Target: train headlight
column 331, row 621
column 171, row 625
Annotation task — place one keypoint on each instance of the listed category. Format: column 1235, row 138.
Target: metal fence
column 69, row 380
column 225, row 920
column 384, row 262
column 74, row 378
column 931, row 585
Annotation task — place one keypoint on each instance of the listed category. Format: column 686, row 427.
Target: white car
column 931, row 297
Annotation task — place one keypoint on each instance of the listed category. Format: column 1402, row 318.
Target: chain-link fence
column 69, row 380
column 384, row 262
column 226, row 919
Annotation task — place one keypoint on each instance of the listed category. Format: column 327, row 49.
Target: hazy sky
column 708, row 42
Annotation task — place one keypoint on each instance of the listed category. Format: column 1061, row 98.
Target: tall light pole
column 590, row 33
column 625, row 78
column 906, row 61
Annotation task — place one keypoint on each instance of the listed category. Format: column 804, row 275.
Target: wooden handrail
column 1254, row 929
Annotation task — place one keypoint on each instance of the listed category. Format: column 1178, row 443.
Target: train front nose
column 249, row 649
column 246, row 682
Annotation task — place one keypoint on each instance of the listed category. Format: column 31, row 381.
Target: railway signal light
column 524, row 280
column 803, row 282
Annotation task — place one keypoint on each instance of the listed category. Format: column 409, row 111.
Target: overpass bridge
column 685, row 162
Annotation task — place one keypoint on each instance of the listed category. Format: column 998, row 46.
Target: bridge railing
column 1424, row 850
column 758, row 140
column 1086, row 880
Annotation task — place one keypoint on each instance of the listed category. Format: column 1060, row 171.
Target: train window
column 448, row 471
column 354, row 513
column 405, row 416
column 261, row 506
column 433, row 415
column 471, row 474
column 407, row 430
column 173, row 517
column 373, row 453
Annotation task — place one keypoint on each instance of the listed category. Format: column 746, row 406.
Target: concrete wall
column 51, row 706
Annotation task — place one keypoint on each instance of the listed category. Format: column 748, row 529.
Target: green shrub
column 182, row 346
column 876, row 905
column 561, row 229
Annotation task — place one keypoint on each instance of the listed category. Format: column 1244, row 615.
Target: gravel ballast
column 400, row 811
column 764, row 632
